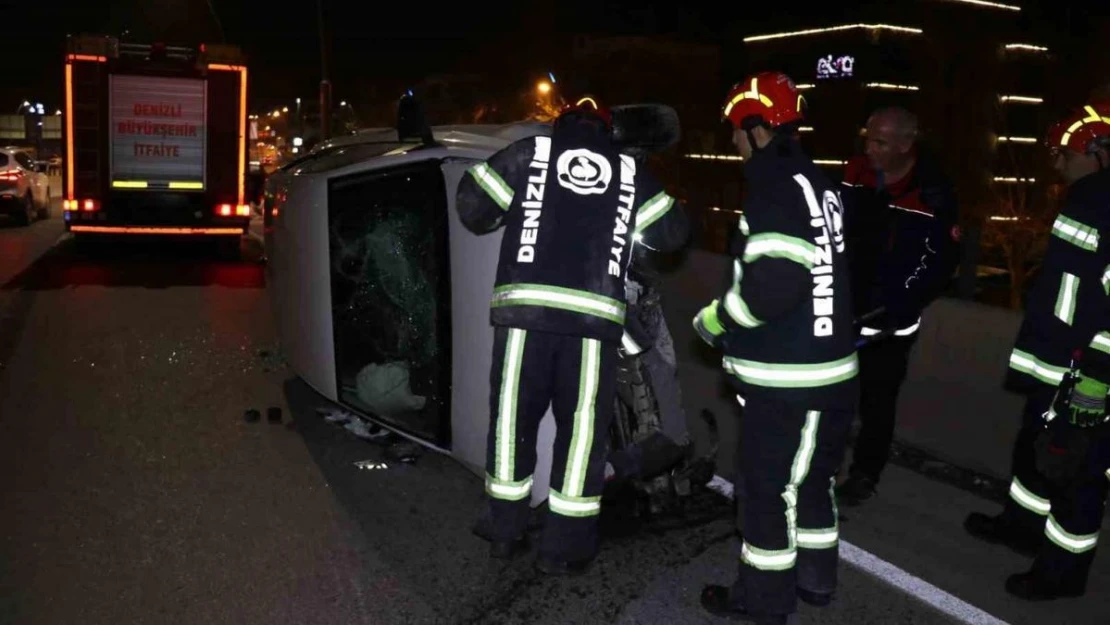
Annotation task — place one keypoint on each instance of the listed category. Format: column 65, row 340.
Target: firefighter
column 903, row 244
column 785, row 327
column 1061, row 361
column 573, row 208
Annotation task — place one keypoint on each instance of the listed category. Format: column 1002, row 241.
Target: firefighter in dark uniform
column 785, row 327
column 573, row 208
column 903, row 244
column 1061, row 361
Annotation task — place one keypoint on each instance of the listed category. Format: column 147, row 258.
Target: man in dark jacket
column 903, row 243
column 572, row 207
column 785, row 327
column 1061, row 362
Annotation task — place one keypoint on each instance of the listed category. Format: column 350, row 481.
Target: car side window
column 24, row 161
column 391, row 296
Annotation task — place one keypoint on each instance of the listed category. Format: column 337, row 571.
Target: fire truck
column 155, row 139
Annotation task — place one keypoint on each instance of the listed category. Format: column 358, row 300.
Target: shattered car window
column 391, row 296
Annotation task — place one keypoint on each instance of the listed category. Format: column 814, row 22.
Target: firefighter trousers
column 1028, row 505
column 1074, row 521
column 882, row 370
column 576, row 377
column 789, row 522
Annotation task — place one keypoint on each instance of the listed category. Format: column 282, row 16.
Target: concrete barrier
column 952, row 404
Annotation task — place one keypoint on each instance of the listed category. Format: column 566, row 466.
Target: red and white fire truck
column 155, row 139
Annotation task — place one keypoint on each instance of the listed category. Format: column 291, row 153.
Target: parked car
column 24, row 186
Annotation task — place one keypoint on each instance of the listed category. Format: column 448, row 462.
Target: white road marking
column 890, row 574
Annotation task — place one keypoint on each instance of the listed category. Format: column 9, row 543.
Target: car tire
column 229, row 249
column 25, row 216
column 44, row 212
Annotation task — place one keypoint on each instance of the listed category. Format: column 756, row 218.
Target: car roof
column 479, row 141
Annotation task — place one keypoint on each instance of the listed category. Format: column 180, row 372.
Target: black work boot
column 815, row 599
column 720, row 601
column 551, row 565
column 999, row 531
column 855, row 490
column 1032, row 586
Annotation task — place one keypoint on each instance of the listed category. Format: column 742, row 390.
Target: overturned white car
column 381, row 295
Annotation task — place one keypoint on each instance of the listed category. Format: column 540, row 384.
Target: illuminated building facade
column 985, row 78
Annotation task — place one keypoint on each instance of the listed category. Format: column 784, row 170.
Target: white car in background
column 24, row 186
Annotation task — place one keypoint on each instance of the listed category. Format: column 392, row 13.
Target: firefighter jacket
column 1067, row 319
column 572, row 207
column 903, row 240
column 785, row 324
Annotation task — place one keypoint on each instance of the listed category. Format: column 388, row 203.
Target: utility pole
column 325, row 86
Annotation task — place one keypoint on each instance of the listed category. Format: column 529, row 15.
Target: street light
column 285, row 109
column 543, row 87
column 343, row 103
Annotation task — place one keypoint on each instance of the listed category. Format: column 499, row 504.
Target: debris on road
column 356, row 425
column 371, row 464
column 405, row 451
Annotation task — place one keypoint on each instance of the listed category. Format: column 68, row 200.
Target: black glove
column 1061, row 451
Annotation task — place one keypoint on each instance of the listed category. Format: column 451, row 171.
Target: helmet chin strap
column 748, row 128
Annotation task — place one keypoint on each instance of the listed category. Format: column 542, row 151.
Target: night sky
column 369, row 40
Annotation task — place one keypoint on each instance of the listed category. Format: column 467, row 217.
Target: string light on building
column 1021, row 99
column 833, row 29
column 715, row 157
column 1006, row 218
column 1026, row 47
column 805, row 128
column 1014, row 180
column 829, row 162
column 804, row 86
column 1017, row 139
column 886, row 86
column 992, row 5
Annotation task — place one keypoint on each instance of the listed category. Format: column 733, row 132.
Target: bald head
column 891, row 133
column 900, row 121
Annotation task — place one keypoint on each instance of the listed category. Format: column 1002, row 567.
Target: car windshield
column 3, row 159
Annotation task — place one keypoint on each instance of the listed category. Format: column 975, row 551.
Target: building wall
column 955, row 69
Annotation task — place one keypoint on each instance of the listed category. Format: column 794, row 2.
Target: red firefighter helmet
column 1085, row 131
column 589, row 105
column 768, row 98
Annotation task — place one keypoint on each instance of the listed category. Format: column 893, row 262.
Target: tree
column 1019, row 220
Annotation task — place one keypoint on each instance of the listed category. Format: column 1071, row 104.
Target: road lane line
column 890, row 574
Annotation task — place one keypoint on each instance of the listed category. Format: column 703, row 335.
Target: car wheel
column 229, row 249
column 44, row 212
column 26, row 215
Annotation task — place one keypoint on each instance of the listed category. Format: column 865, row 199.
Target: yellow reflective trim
column 752, row 94
column 1092, row 117
column 128, row 184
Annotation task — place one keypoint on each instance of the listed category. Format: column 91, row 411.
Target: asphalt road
column 134, row 491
